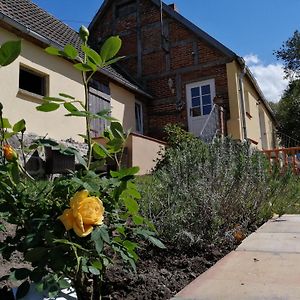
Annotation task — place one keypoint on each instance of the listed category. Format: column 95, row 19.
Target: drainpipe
column 242, row 103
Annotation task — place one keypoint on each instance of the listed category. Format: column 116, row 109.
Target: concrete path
column 266, row 266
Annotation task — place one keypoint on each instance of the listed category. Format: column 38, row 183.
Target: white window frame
column 140, row 105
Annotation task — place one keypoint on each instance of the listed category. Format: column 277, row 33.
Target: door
column 200, row 97
column 99, row 101
column 263, row 131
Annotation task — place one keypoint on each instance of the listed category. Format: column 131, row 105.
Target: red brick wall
column 188, row 58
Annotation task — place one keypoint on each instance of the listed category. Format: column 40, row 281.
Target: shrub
column 201, row 192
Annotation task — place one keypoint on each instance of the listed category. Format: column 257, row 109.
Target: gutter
column 48, row 42
column 27, row 31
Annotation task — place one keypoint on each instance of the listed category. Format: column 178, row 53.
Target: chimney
column 174, row 7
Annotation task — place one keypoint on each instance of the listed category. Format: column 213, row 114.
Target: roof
column 32, row 20
column 201, row 34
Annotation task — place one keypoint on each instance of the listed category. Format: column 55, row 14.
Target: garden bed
column 160, row 273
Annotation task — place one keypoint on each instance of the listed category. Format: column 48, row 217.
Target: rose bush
column 85, row 212
column 42, row 212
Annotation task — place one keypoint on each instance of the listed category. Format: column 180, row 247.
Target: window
column 201, row 100
column 139, row 118
column 32, row 82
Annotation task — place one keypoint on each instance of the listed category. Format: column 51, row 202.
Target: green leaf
column 138, row 220
column 97, row 264
column 53, row 99
column 100, row 151
column 23, row 290
column 8, row 135
column 110, row 48
column 70, row 107
column 125, row 172
column 5, row 123
column 156, row 242
column 94, row 271
column 92, row 55
column 70, row 51
column 79, row 114
column 83, row 67
column 104, row 234
column 63, row 283
column 9, row 52
column 92, row 65
column 66, row 96
column 20, row 126
column 47, row 107
column 131, row 205
column 112, row 61
column 117, row 130
column 19, row 274
column 54, row 51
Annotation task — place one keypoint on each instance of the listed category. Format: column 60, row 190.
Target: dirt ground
column 160, row 273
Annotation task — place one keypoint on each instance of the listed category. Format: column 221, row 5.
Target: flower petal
column 67, row 219
column 82, row 232
column 78, row 197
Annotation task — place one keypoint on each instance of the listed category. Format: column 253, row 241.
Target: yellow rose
column 9, row 153
column 85, row 212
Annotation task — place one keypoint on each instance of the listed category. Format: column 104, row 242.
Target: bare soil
column 161, row 274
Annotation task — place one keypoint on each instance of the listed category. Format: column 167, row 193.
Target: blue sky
column 253, row 28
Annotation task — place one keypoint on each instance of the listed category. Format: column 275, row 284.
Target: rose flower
column 9, row 153
column 85, row 212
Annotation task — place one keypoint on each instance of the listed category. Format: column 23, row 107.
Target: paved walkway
column 266, row 266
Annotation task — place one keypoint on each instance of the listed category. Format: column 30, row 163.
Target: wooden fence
column 285, row 158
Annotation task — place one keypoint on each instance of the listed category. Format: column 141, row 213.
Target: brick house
column 186, row 71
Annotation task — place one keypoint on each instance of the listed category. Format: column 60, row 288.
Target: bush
column 202, row 192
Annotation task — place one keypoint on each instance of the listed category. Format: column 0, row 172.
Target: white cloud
column 269, row 77
column 251, row 59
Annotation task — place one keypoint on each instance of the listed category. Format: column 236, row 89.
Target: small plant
column 73, row 228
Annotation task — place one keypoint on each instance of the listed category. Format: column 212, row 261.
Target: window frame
column 140, row 105
column 42, row 76
column 200, row 84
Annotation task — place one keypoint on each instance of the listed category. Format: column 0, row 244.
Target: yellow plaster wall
column 252, row 106
column 123, row 106
column 234, row 123
column 62, row 78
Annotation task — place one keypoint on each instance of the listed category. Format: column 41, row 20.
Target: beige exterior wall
column 259, row 123
column 145, row 153
column 123, row 106
column 234, row 123
column 62, row 77
column 142, row 152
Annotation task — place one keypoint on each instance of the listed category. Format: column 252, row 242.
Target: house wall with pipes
column 259, row 122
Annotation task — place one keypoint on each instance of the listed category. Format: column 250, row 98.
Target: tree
column 289, row 53
column 288, row 114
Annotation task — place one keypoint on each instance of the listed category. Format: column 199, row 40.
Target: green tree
column 289, row 53
column 288, row 112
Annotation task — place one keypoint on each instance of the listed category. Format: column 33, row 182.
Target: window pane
column 206, row 100
column 32, row 82
column 196, row 102
column 205, row 89
column 138, row 118
column 196, row 112
column 195, row 92
column 206, row 109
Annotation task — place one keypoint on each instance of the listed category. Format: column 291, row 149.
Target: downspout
column 242, row 103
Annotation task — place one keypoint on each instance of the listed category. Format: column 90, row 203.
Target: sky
column 252, row 29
